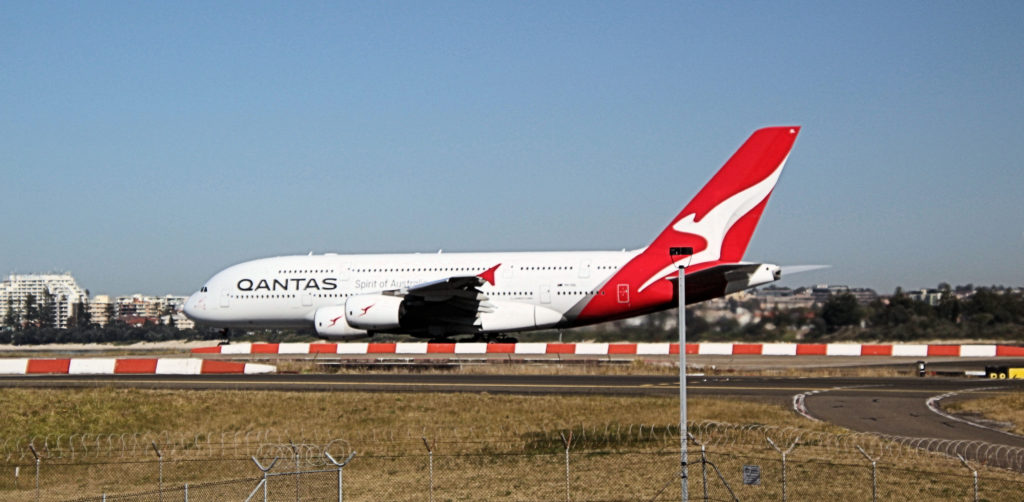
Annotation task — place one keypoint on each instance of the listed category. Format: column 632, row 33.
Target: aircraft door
column 623, row 293
column 307, row 300
column 544, row 292
column 225, row 298
column 585, row 269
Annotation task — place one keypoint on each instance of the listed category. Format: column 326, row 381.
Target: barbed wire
column 309, row 446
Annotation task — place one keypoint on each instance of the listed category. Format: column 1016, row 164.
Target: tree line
column 989, row 313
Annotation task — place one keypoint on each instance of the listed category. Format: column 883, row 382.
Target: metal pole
column 784, row 453
column 974, row 472
column 340, row 466
column 682, row 383
column 566, row 442
column 704, row 471
column 34, row 452
column 295, row 450
column 430, row 455
column 265, row 471
column 160, row 464
column 685, row 253
column 874, row 478
column 186, row 492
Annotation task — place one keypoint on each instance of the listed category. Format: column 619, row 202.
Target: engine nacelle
column 374, row 312
column 330, row 323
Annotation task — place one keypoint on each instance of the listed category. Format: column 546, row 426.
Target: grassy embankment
column 1006, row 409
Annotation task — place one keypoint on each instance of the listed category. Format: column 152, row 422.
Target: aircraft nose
column 194, row 306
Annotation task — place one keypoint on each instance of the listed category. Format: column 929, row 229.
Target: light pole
column 681, row 257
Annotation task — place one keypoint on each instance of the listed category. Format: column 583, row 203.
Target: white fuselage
column 287, row 291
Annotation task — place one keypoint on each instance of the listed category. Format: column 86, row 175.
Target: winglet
column 488, row 275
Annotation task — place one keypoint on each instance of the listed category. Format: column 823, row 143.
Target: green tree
column 109, row 312
column 11, row 316
column 80, row 315
column 949, row 305
column 841, row 310
column 31, row 310
column 47, row 310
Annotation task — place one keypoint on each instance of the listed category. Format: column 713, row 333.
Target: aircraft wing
column 444, row 307
column 444, row 289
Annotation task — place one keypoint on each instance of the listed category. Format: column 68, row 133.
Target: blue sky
column 146, row 145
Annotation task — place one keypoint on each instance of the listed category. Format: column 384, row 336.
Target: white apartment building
column 147, row 306
column 62, row 288
column 101, row 309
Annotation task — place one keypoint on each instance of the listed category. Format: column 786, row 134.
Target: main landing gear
column 493, row 338
column 226, row 333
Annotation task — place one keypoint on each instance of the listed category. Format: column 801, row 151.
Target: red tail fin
column 717, row 224
column 720, row 220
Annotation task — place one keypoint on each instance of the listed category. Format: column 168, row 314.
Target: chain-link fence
column 597, row 463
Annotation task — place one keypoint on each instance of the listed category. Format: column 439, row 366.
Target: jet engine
column 330, row 323
column 374, row 312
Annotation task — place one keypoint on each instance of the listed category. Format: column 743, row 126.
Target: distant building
column 101, row 309
column 774, row 297
column 153, row 308
column 62, row 290
column 930, row 296
column 823, row 292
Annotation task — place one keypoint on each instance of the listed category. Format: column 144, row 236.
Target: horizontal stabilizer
column 799, row 269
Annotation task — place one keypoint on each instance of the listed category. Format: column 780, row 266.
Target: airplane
column 488, row 296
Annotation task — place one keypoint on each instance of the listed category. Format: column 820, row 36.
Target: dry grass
column 523, row 464
column 38, row 412
column 1005, row 409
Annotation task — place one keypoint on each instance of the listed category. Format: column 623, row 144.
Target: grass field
column 1005, row 409
column 488, row 446
column 37, row 412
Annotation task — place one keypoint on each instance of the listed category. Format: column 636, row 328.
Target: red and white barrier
column 109, row 366
column 603, row 349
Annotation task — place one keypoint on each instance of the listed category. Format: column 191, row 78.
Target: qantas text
column 324, row 284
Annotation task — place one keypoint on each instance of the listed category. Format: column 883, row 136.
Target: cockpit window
column 203, row 290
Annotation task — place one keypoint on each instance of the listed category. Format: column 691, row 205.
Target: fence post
column 703, row 464
column 430, row 455
column 974, row 472
column 160, row 464
column 567, row 442
column 340, row 466
column 36, row 454
column 784, row 453
column 295, row 450
column 874, row 478
column 186, row 492
column 265, row 471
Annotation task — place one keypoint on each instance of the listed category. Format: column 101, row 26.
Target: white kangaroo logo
column 718, row 221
